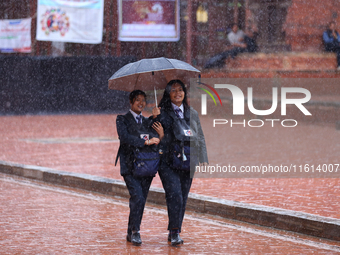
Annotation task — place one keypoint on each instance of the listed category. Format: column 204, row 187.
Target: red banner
column 148, row 20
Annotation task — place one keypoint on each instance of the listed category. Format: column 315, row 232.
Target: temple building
column 284, row 26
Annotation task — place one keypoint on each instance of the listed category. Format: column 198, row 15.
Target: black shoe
column 134, row 239
column 169, row 238
column 175, row 239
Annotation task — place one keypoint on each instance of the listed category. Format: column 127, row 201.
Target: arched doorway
column 269, row 17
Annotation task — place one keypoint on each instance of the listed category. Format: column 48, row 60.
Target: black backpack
column 146, row 159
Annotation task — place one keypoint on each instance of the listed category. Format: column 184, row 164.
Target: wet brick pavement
column 37, row 218
column 88, row 144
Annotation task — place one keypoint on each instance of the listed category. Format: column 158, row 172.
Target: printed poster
column 148, row 20
column 77, row 21
column 15, row 35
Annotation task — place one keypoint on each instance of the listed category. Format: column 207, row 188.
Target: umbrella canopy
column 153, row 73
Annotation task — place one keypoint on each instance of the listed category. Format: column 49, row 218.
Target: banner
column 148, row 20
column 15, row 35
column 70, row 21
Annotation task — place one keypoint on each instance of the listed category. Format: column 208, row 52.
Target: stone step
column 288, row 61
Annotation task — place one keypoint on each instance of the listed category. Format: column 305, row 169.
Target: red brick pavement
column 88, row 144
column 44, row 219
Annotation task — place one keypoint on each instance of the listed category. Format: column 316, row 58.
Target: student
column 179, row 133
column 331, row 40
column 137, row 133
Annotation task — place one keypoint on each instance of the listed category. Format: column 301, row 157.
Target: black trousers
column 138, row 189
column 334, row 47
column 233, row 52
column 219, row 59
column 177, row 186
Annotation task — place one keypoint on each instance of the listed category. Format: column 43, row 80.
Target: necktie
column 179, row 113
column 139, row 119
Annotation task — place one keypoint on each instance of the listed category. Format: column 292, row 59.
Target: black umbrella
column 153, row 73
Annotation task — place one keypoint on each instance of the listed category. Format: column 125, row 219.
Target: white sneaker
column 338, row 69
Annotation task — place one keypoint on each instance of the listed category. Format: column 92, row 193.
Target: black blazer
column 126, row 128
column 167, row 117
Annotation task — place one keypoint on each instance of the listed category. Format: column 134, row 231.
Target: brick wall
column 31, row 85
column 307, row 20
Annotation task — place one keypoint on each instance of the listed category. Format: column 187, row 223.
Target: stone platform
column 285, row 64
column 289, row 61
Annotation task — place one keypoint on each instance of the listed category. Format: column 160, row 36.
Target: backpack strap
column 118, row 154
column 131, row 121
column 120, row 147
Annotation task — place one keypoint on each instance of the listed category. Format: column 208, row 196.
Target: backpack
column 145, row 159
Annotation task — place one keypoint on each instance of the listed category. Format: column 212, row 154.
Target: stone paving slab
column 262, row 215
column 307, row 142
column 37, row 218
column 87, row 144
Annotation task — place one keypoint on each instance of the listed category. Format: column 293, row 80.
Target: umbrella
column 153, row 73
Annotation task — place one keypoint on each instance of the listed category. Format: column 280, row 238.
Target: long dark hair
column 165, row 102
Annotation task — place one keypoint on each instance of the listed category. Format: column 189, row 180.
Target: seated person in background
column 238, row 42
column 250, row 39
column 331, row 40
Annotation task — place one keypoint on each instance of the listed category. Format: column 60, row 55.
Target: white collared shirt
column 135, row 115
column 176, row 107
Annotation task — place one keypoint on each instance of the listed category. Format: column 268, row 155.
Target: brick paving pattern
column 38, row 218
column 88, row 144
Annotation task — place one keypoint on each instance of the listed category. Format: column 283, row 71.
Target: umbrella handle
column 155, row 96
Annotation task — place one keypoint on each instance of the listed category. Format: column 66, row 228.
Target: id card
column 145, row 136
column 187, row 132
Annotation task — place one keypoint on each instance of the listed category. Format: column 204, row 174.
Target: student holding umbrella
column 183, row 147
column 139, row 158
column 152, row 74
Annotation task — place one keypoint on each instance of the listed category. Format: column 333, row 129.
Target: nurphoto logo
column 238, row 105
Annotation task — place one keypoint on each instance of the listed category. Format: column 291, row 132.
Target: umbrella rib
column 170, row 63
column 136, row 81
column 177, row 68
column 140, row 61
column 139, row 64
